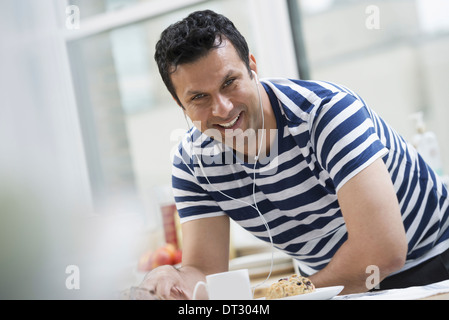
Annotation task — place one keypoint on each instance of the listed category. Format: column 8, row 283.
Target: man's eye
column 198, row 96
column 228, row 83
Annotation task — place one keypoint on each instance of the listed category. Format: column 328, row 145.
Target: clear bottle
column 426, row 143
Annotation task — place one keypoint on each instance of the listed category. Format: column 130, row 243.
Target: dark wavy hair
column 191, row 39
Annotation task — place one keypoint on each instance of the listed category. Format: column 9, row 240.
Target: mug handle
column 199, row 284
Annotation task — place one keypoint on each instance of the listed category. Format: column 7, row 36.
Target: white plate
column 319, row 294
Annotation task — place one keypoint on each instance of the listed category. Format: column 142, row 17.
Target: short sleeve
column 344, row 137
column 192, row 200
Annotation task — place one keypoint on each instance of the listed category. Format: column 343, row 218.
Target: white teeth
column 230, row 124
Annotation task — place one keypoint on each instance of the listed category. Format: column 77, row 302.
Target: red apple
column 171, row 249
column 167, row 254
column 161, row 257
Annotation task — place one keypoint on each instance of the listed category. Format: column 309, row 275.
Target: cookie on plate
column 288, row 287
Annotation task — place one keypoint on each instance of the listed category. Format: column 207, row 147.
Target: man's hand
column 169, row 283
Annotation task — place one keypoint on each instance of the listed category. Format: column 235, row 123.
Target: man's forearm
column 350, row 267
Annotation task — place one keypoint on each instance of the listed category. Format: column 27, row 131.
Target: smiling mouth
column 230, row 124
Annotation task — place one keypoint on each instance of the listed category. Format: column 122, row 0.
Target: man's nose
column 222, row 106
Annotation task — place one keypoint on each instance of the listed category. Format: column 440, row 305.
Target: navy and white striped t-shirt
column 326, row 135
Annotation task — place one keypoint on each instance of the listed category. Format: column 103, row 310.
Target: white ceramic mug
column 231, row 285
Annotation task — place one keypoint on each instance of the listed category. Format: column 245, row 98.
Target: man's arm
column 376, row 234
column 205, row 244
column 205, row 250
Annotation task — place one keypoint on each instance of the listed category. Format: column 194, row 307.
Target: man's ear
column 252, row 62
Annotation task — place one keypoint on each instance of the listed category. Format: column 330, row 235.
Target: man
column 304, row 164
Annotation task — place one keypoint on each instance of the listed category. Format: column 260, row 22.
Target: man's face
column 219, row 95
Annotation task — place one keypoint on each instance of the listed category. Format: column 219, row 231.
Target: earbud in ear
column 255, row 76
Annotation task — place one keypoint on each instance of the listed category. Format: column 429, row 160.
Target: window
column 394, row 53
